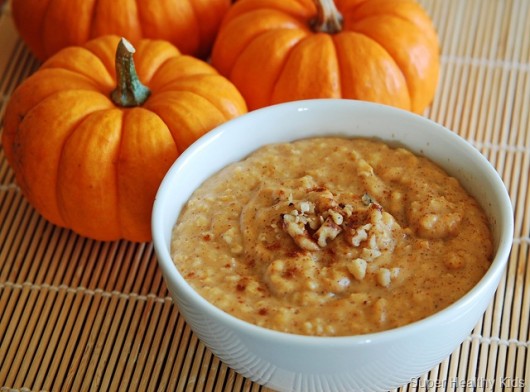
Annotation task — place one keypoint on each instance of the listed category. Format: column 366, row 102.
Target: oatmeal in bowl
column 298, row 235
column 332, row 242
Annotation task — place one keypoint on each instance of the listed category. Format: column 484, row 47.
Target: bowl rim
column 493, row 273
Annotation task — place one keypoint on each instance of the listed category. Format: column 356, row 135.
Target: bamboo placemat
column 77, row 314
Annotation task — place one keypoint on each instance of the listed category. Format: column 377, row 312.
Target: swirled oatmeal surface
column 332, row 236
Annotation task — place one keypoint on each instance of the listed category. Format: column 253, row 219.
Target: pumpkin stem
column 129, row 90
column 328, row 19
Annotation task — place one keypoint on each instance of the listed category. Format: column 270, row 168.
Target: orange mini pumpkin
column 50, row 25
column 89, row 146
column 375, row 50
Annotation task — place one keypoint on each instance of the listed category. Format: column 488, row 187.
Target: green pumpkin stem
column 129, row 90
column 329, row 19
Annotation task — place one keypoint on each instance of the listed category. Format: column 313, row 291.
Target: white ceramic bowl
column 379, row 361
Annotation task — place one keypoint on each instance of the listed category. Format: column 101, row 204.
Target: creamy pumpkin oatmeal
column 332, row 236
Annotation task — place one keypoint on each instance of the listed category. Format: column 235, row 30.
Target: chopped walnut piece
column 370, row 254
column 337, row 217
column 383, row 277
column 367, row 199
column 307, row 206
column 296, row 229
column 328, row 231
column 359, row 235
column 358, row 268
column 348, row 210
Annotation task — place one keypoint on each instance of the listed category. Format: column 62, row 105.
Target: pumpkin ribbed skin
column 90, row 165
column 50, row 25
column 387, row 52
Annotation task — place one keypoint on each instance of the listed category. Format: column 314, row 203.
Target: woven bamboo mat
column 78, row 315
